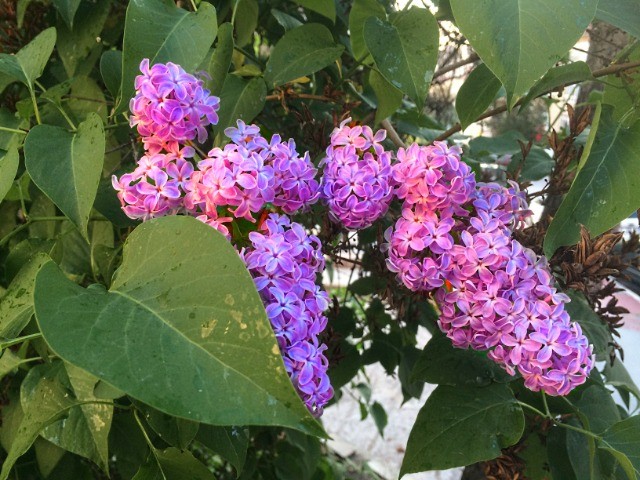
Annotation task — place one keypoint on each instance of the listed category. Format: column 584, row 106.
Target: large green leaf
column 177, row 432
column 618, row 376
column 16, row 307
column 597, row 404
column 520, row 40
column 360, row 12
column 162, row 32
column 476, row 94
column 301, row 51
column 442, row 363
column 28, row 64
column 221, row 58
column 592, row 325
column 246, row 20
column 326, row 8
column 607, row 188
column 624, row 14
column 389, row 97
column 240, row 100
column 405, row 50
column 111, row 70
column 8, row 168
column 172, row 464
column 85, row 429
column 44, row 400
column 182, row 329
column 458, row 426
column 67, row 166
column 622, row 91
column 622, row 440
column 74, row 44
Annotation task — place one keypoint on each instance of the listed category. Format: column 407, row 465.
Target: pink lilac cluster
column 357, row 183
column 434, row 185
column 494, row 294
column 171, row 106
column 284, row 262
column 248, row 173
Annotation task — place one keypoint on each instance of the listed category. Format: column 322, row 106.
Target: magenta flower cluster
column 284, row 261
column 171, row 106
column 170, row 109
column 455, row 237
column 247, row 174
column 357, row 184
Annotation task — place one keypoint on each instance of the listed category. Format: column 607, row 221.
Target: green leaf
column 240, row 99
column 67, row 166
column 85, row 430
column 405, row 50
column 592, row 325
column 618, row 376
column 127, row 444
column 622, row 440
column 536, row 462
column 389, row 97
column 182, row 329
column 360, row 12
column 8, row 168
column 441, row 363
column 520, row 40
column 162, row 32
column 623, row 93
column 16, row 307
column 44, row 400
column 574, row 72
column 476, row 94
column 246, row 20
column 301, row 51
column 67, row 10
column 111, row 70
column 607, row 188
column 28, row 64
column 326, row 8
column 9, row 140
column 9, row 361
column 458, row 426
column 285, row 20
column 537, row 164
column 559, row 462
column 624, row 14
column 75, row 43
column 172, row 464
column 379, row 417
column 221, row 58
column 597, row 404
column 229, row 442
column 48, row 456
column 582, row 454
column 177, row 432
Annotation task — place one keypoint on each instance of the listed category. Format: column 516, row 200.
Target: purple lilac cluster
column 171, row 106
column 357, row 183
column 247, row 174
column 284, row 262
column 455, row 237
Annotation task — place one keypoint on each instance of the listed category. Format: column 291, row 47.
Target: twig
column 393, row 135
column 306, row 96
column 453, row 66
column 603, row 72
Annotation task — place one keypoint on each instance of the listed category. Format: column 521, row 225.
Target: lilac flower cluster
column 284, row 262
column 357, row 184
column 171, row 106
column 249, row 173
column 493, row 293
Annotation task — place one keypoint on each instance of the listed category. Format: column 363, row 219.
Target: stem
column 18, row 340
column 603, row 72
column 393, row 135
column 532, row 408
column 454, row 66
column 546, row 405
column 23, row 207
column 577, row 429
column 556, row 422
column 35, row 106
column 193, row 4
column 250, row 56
column 13, row 130
column 31, row 220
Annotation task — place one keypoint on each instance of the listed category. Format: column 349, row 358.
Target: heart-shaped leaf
column 162, row 32
column 405, row 50
column 67, row 166
column 28, row 64
column 182, row 329
column 519, row 40
column 476, row 94
column 299, row 52
column 462, row 425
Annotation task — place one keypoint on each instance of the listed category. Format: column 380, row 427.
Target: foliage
column 141, row 351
